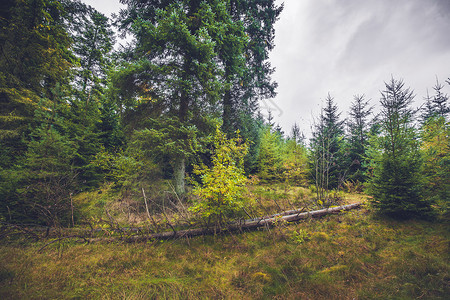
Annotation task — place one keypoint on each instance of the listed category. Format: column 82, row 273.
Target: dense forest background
column 175, row 113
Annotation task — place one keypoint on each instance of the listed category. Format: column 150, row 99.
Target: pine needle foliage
column 396, row 162
column 435, row 135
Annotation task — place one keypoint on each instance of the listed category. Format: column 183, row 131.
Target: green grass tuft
column 353, row 255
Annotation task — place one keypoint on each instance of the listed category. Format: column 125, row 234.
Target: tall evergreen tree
column 435, row 135
column 177, row 61
column 250, row 130
column 250, row 79
column 428, row 110
column 396, row 162
column 270, row 156
column 43, row 179
column 440, row 100
column 358, row 127
column 254, row 81
column 93, row 41
column 296, row 135
column 270, row 121
column 48, row 174
column 327, row 160
column 35, row 57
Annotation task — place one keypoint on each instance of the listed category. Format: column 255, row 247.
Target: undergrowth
column 353, row 255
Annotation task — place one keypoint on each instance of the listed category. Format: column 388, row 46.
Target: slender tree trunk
column 178, row 174
column 179, row 167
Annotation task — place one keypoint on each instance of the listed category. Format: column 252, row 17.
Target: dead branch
column 60, row 239
column 148, row 213
column 238, row 226
column 9, row 228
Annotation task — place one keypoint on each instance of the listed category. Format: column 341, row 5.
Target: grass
column 354, row 255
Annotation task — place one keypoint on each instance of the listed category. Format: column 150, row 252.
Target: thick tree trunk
column 288, row 216
column 179, row 170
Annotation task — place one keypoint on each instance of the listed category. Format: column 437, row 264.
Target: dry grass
column 348, row 256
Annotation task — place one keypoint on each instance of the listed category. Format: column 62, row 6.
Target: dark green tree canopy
column 184, row 55
column 358, row 135
column 35, row 57
column 396, row 162
column 255, row 82
column 328, row 163
column 93, row 40
column 176, row 55
column 35, row 45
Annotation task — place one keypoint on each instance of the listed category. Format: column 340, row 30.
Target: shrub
column 222, row 184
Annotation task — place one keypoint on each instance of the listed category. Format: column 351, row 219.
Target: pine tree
column 93, row 41
column 35, row 57
column 250, row 130
column 250, row 79
column 46, row 177
column 270, row 156
column 428, row 110
column 277, row 129
column 440, row 101
column 177, row 60
column 358, row 126
column 435, row 146
column 296, row 135
column 327, row 160
column 436, row 106
column 294, row 162
column 254, row 81
column 397, row 181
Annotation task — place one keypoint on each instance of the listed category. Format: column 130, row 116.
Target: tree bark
column 178, row 174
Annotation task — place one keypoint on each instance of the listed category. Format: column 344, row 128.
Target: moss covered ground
column 353, row 255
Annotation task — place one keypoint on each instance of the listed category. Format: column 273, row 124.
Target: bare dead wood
column 148, row 213
column 185, row 211
column 8, row 228
column 113, row 224
column 247, row 213
column 277, row 204
column 71, row 208
column 290, row 216
column 60, row 239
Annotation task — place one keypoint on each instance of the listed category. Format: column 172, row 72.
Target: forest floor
column 351, row 255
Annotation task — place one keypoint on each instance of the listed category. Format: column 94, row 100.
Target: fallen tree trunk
column 296, row 215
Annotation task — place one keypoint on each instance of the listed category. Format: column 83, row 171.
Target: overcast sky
column 348, row 47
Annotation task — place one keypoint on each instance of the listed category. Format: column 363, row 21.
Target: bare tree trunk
column 178, row 174
column 289, row 216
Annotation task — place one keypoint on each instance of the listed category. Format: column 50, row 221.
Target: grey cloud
column 349, row 47
column 443, row 7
